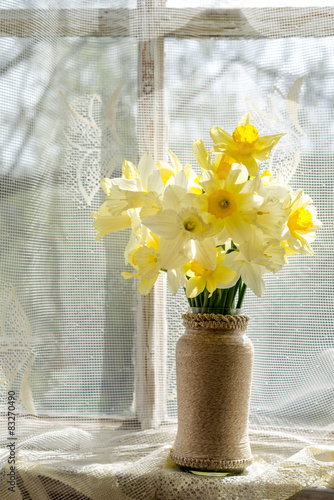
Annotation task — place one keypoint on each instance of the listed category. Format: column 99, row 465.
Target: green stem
column 229, row 298
column 205, row 298
column 218, row 298
column 223, row 298
column 242, row 292
column 236, row 288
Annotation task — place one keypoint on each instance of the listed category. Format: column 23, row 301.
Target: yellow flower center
column 221, row 204
column 190, row 224
column 224, row 167
column 301, row 219
column 199, row 270
column 245, row 136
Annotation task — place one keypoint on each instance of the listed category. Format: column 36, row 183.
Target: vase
column 214, row 361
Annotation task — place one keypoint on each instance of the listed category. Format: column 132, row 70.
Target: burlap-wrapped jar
column 214, row 361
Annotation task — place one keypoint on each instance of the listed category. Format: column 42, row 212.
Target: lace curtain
column 87, row 365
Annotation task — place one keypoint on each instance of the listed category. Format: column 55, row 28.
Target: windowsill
column 84, row 460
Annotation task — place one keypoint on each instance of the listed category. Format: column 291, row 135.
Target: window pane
column 56, row 144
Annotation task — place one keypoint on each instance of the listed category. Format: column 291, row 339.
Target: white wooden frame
column 171, row 22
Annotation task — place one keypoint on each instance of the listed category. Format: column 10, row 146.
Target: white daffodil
column 250, row 272
column 301, row 225
column 178, row 228
column 274, row 255
column 147, row 254
column 211, row 279
column 142, row 254
column 273, row 212
column 137, row 188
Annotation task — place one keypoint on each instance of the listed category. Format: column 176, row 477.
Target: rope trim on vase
column 208, row 463
column 215, row 321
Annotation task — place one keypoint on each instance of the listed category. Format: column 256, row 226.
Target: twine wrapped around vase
column 214, row 361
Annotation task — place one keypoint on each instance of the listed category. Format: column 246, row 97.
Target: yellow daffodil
column 227, row 206
column 105, row 223
column 211, row 279
column 301, row 225
column 244, row 145
column 221, row 166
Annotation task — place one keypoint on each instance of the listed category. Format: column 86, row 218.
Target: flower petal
column 106, row 223
column 126, row 275
column 250, row 163
column 175, row 162
column 172, row 197
column 245, row 120
column 236, row 179
column 146, row 285
column 155, row 182
column 181, row 179
column 163, row 224
column 200, row 153
column 129, row 170
column 145, row 168
column 226, row 277
column 127, row 184
column 267, row 141
column 208, row 182
column 106, row 185
column 173, row 253
column 175, row 278
column 251, row 274
column 205, row 252
column 195, row 286
column 211, row 283
column 220, row 136
column 238, row 229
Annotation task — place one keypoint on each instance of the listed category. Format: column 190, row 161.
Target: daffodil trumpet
column 215, row 234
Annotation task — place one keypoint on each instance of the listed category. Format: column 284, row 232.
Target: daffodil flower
column 227, row 206
column 211, row 279
column 105, row 223
column 221, row 230
column 301, row 225
column 142, row 254
column 170, row 172
column 272, row 213
column 179, row 228
column 244, row 145
column 147, row 255
column 137, row 188
column 248, row 269
column 221, row 166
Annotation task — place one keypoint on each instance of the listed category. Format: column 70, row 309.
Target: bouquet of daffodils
column 214, row 234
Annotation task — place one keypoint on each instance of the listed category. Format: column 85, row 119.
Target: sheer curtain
column 87, row 366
